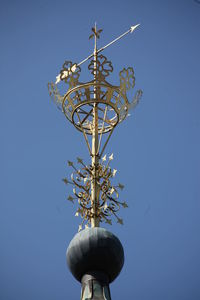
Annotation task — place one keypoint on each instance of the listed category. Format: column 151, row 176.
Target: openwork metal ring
column 79, row 101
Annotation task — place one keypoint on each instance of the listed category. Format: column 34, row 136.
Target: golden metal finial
column 95, row 32
column 108, row 194
column 95, row 108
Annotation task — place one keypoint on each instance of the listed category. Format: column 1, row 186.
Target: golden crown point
column 78, row 98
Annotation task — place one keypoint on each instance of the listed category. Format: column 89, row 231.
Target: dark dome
column 95, row 249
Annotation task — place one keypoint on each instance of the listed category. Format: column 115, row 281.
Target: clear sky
column 156, row 150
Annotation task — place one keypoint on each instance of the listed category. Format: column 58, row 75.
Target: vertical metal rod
column 102, row 151
column 84, row 134
column 102, row 129
column 95, row 158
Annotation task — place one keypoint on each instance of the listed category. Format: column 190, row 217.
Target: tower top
column 95, row 108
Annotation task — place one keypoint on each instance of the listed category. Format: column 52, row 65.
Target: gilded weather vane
column 95, row 108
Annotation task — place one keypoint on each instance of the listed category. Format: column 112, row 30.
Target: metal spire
column 95, row 137
column 95, row 108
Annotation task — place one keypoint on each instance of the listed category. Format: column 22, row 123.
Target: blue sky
column 156, row 150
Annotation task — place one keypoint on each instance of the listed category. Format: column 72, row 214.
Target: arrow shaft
column 115, row 40
column 101, row 49
column 104, row 47
column 84, row 60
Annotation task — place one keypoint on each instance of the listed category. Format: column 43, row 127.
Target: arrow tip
column 134, row 27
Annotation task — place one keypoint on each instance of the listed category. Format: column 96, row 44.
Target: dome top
column 95, row 249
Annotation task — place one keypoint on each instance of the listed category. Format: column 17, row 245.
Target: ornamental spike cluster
column 109, row 203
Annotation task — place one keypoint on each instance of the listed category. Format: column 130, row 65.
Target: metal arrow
column 73, row 68
column 119, row 37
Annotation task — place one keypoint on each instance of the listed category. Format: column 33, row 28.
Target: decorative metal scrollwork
column 95, row 108
column 127, row 79
column 108, row 203
column 103, row 67
column 55, row 94
column 70, row 73
column 78, row 98
column 136, row 99
column 95, row 33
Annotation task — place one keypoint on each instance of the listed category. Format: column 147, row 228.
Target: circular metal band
column 79, row 100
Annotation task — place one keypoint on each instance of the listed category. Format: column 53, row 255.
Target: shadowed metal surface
column 95, row 249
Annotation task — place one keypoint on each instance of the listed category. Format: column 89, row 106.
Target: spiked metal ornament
column 108, row 194
column 95, row 108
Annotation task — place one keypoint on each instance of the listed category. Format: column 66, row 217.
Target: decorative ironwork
column 55, row 94
column 78, row 100
column 136, row 99
column 95, row 108
column 127, row 79
column 102, row 68
column 95, row 33
column 107, row 202
column 70, row 73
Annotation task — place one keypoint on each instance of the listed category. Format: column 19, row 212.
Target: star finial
column 95, row 33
